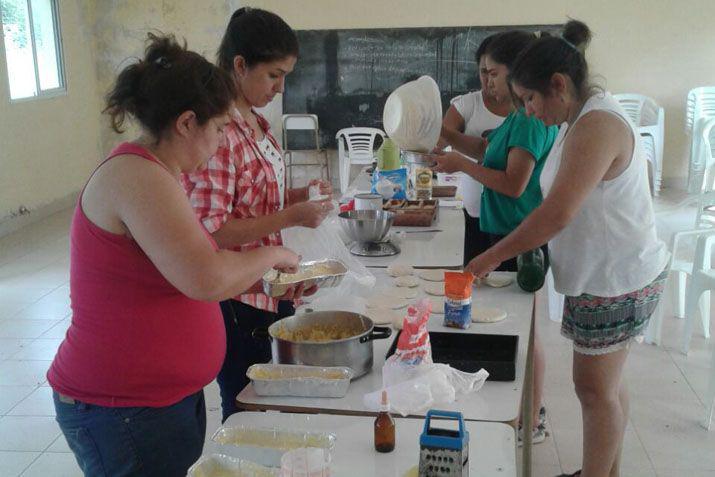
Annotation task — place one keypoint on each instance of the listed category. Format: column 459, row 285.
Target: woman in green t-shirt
column 511, row 156
column 510, row 163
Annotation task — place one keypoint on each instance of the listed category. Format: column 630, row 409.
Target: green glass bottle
column 531, row 271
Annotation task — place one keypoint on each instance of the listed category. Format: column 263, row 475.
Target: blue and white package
column 390, row 184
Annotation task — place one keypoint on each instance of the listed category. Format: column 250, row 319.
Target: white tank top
column 477, row 119
column 611, row 247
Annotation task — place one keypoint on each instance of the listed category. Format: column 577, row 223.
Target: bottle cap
column 385, row 404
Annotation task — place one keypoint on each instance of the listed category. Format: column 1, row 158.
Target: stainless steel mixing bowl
column 366, row 226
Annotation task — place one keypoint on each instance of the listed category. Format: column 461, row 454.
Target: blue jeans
column 134, row 441
column 247, row 343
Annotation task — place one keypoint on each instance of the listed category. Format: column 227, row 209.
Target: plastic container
column 300, row 381
column 219, row 465
column 305, row 462
column 266, row 446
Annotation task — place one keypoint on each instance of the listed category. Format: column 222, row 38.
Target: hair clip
column 570, row 44
column 163, row 62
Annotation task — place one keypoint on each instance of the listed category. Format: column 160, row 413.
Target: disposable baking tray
column 220, row 465
column 277, row 284
column 266, row 446
column 471, row 352
column 300, row 381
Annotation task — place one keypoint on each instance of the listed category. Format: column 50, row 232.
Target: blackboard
column 345, row 76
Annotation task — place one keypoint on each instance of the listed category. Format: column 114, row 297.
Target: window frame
column 61, row 90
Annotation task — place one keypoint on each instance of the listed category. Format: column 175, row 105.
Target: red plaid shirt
column 238, row 182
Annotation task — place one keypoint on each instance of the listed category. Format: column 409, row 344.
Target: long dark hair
column 168, row 81
column 259, row 36
column 536, row 65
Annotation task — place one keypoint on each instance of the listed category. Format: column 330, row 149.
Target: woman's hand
column 309, row 214
column 294, row 293
column 325, row 188
column 481, row 265
column 287, row 260
column 449, row 162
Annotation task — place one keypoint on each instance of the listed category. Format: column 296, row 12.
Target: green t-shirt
column 499, row 213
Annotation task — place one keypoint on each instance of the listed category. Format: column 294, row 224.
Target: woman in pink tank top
column 146, row 333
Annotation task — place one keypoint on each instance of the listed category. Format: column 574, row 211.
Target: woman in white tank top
column 597, row 217
column 469, row 118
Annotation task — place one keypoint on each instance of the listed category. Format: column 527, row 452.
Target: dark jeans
column 475, row 241
column 510, row 265
column 134, row 441
column 247, row 343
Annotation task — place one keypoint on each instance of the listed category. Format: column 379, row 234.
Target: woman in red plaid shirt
column 241, row 196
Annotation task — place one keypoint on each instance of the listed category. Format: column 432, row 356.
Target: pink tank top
column 134, row 340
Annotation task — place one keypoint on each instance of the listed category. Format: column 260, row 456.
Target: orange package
column 458, row 302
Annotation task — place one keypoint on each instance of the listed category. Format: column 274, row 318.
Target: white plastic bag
column 325, row 242
column 415, row 389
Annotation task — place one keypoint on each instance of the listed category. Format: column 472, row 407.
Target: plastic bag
column 413, row 346
column 325, row 242
column 390, row 184
column 415, row 389
column 412, row 381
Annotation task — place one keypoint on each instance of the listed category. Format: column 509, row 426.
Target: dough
column 407, row 281
column 432, row 275
column 384, row 316
column 397, row 321
column 385, row 302
column 400, row 270
column 401, row 293
column 437, row 305
column 498, row 281
column 482, row 314
column 436, row 288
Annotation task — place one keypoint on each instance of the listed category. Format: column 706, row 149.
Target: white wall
column 49, row 146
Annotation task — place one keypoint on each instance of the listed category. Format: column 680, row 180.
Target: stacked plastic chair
column 700, row 106
column 649, row 119
column 682, row 263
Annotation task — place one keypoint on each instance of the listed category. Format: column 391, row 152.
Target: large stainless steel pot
column 355, row 352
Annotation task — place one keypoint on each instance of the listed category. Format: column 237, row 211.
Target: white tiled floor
column 663, row 438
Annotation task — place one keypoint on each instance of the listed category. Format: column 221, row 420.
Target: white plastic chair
column 303, row 122
column 702, row 282
column 360, row 143
column 700, row 104
column 681, row 267
column 649, row 119
column 710, row 396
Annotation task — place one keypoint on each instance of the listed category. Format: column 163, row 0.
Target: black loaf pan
column 471, row 352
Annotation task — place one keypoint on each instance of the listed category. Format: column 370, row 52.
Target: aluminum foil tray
column 300, row 381
column 324, row 273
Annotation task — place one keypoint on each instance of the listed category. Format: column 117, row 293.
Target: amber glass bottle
column 384, row 428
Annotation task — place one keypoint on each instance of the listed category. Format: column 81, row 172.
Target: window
column 33, row 47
